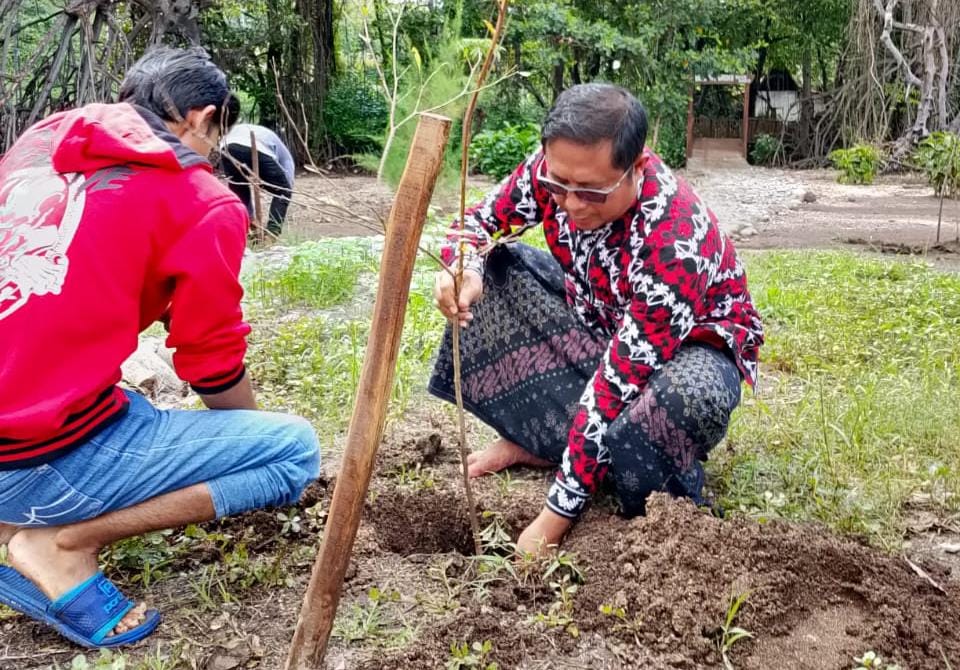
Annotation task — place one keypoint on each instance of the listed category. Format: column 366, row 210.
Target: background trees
column 876, row 71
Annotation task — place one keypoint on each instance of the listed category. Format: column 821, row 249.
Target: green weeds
column 108, row 659
column 414, row 478
column 476, row 655
column 319, row 275
column 854, row 414
column 374, row 623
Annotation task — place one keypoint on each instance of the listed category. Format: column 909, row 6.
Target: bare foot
column 35, row 553
column 500, row 455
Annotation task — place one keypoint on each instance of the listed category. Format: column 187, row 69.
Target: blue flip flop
column 85, row 615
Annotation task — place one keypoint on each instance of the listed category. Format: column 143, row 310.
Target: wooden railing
column 729, row 128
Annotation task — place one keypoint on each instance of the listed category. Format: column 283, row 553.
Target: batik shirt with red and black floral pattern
column 662, row 274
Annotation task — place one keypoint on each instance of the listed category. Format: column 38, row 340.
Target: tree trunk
column 308, row 65
column 324, row 67
column 824, row 75
column 559, row 68
column 758, row 70
column 54, row 71
column 943, row 77
column 806, row 95
column 386, row 52
column 593, row 69
column 276, row 67
column 920, row 128
column 176, row 18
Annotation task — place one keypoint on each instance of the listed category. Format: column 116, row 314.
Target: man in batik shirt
column 621, row 352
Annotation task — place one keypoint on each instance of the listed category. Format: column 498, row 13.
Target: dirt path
column 360, row 194
column 776, row 209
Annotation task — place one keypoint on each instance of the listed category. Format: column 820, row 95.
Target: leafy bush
column 499, row 107
column 764, row 149
column 355, row 114
column 671, row 144
column 497, row 152
column 857, row 165
column 939, row 157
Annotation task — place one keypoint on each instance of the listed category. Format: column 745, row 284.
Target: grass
column 319, row 275
column 375, row 623
column 857, row 412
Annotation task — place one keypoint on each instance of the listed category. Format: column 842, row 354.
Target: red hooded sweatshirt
column 108, row 223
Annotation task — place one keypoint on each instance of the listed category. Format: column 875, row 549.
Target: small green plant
column 291, row 522
column 115, row 660
column 211, row 589
column 563, row 576
column 447, row 599
column 857, row 165
column 146, row 557
column 497, row 152
column 563, row 563
column 494, row 537
column 764, row 149
column 873, row 661
column 559, row 614
column 624, row 622
column 414, row 478
column 244, row 571
column 506, row 484
column 476, row 655
column 939, row 157
column 316, row 516
column 162, row 660
column 374, row 623
column 107, row 660
column 730, row 634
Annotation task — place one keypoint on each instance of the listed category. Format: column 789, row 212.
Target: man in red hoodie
column 111, row 219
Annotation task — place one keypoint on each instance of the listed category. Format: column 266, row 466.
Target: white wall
column 781, row 102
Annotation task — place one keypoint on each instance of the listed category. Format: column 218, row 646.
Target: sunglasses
column 596, row 196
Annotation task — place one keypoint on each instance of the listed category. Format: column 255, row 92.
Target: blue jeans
column 247, row 459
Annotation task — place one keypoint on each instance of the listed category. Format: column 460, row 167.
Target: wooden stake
column 404, row 227
column 255, row 185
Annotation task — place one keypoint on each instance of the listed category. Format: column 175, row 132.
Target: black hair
column 591, row 113
column 170, row 82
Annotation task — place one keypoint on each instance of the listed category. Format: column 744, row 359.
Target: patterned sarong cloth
column 527, row 358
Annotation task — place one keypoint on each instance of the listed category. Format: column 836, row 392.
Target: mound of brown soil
column 815, row 600
column 657, row 590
